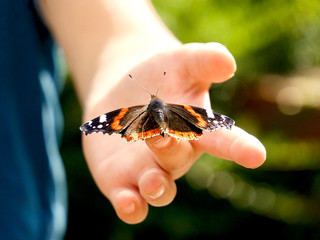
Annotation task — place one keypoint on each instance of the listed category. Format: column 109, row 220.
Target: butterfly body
column 158, row 118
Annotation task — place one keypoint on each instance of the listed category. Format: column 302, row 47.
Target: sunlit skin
column 133, row 40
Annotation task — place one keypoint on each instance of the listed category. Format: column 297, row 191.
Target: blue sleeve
column 32, row 187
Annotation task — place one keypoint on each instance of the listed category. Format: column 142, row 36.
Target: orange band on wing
column 201, row 121
column 142, row 135
column 116, row 122
column 186, row 135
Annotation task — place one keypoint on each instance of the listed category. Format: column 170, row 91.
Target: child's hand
column 134, row 174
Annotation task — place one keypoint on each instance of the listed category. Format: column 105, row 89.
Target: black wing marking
column 205, row 119
column 112, row 122
column 180, row 128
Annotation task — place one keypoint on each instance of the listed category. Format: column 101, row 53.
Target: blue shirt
column 32, row 178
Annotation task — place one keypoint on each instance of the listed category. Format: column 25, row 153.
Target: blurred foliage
column 272, row 41
column 264, row 36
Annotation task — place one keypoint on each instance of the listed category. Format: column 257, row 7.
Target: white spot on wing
column 103, row 118
column 210, row 113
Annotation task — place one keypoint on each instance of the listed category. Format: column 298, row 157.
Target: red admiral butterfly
column 158, row 118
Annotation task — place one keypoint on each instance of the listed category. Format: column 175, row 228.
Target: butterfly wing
column 178, row 127
column 205, row 119
column 141, row 128
column 113, row 122
column 136, row 123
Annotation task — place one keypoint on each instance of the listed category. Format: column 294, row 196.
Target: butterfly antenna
column 140, row 84
column 164, row 74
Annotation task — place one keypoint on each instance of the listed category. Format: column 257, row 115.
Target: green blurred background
column 275, row 95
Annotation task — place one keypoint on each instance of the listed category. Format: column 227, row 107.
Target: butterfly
column 158, row 118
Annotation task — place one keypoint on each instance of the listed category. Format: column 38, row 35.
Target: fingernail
column 128, row 209
column 162, row 142
column 158, row 193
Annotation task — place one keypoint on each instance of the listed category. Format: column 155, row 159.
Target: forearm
column 104, row 38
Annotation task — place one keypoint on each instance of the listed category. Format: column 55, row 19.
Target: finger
column 129, row 205
column 173, row 155
column 130, row 178
column 236, row 145
column 209, row 63
column 157, row 187
column 116, row 176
